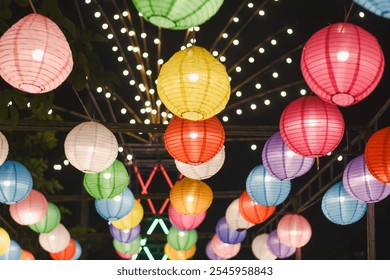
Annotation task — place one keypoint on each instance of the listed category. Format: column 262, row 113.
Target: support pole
column 371, row 231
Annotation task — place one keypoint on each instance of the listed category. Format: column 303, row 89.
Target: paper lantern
column 294, row 230
column 228, row 234
column 377, row 155
column 224, row 250
column 125, row 235
column 126, row 256
column 14, row 252
column 107, row 183
column 204, row 170
column 265, row 189
column 185, row 222
column 133, row 218
column 179, row 255
column 252, row 211
column 27, row 255
column 177, row 14
column 30, row 210
column 91, row 147
column 210, row 253
column 4, row 148
column 194, row 142
column 342, row 63
column 78, row 252
column 191, row 197
column 35, row 56
column 281, row 162
column 193, row 84
column 49, row 222
column 361, row 185
column 15, row 182
column 65, row 254
column 311, row 127
column 128, row 248
column 115, row 208
column 340, row 208
column 56, row 240
column 378, row 7
column 260, row 248
column 277, row 247
column 182, row 240
column 234, row 218
column 5, row 241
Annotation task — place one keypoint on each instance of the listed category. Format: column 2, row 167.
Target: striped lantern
column 125, row 235
column 179, row 255
column 260, row 248
column 224, row 250
column 228, row 234
column 252, row 211
column 210, row 253
column 278, row 248
column 4, row 148
column 185, row 222
column 128, row 248
column 378, row 7
column 56, row 240
column 49, row 222
column 67, row 253
column 117, row 207
column 294, row 230
column 234, row 218
column 182, row 240
column 132, row 219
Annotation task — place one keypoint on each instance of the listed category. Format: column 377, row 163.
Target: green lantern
column 127, row 248
column 177, row 14
column 107, row 183
column 182, row 240
column 49, row 222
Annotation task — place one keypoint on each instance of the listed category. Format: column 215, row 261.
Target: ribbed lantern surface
column 378, row 7
column 294, row 230
column 3, row 148
column 252, row 211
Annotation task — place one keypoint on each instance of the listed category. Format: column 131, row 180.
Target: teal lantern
column 182, row 240
column 107, row 183
column 49, row 222
column 128, row 248
column 177, row 14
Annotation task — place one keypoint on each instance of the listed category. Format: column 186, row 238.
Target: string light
column 225, row 35
column 261, row 13
column 261, row 50
column 273, row 42
column 267, row 102
column 253, row 147
column 225, row 118
column 238, row 93
column 253, row 106
column 120, row 149
column 116, row 17
column 302, row 91
column 283, row 93
column 251, row 59
column 289, row 60
column 236, row 42
column 238, row 111
column 97, row 14
column 104, row 26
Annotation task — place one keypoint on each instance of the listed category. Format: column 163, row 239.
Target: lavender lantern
column 125, row 235
column 281, row 162
column 361, row 185
column 228, row 234
column 210, row 252
column 277, row 247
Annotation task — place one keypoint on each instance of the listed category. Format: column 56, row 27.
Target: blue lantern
column 125, row 235
column 14, row 252
column 379, row 7
column 78, row 252
column 15, row 182
column 228, row 234
column 265, row 189
column 340, row 208
column 117, row 207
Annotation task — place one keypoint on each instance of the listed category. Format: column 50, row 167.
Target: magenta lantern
column 361, row 185
column 277, row 247
column 294, row 230
column 311, row 127
column 281, row 162
column 185, row 222
column 342, row 63
column 30, row 210
column 224, row 250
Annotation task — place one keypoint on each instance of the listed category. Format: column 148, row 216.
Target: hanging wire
column 349, row 11
column 32, row 6
column 82, row 104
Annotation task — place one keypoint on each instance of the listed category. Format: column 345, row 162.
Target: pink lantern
column 30, row 210
column 311, row 127
column 185, row 222
column 35, row 56
column 342, row 63
column 294, row 230
column 224, row 250
column 56, row 240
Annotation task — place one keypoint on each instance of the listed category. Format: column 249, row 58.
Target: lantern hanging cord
column 32, row 6
column 349, row 11
column 82, row 104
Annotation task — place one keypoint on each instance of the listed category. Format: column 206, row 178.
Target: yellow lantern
column 191, row 197
column 179, row 255
column 5, row 241
column 193, row 84
column 132, row 219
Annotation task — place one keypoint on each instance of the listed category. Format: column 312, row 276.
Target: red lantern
column 377, row 155
column 311, row 127
column 252, row 211
column 35, row 56
column 194, row 142
column 342, row 63
column 67, row 253
column 294, row 230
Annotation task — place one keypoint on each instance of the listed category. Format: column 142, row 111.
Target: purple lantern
column 281, row 162
column 361, row 185
column 228, row 234
column 210, row 252
column 125, row 235
column 277, row 247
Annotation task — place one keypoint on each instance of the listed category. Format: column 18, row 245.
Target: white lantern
column 3, row 148
column 56, row 240
column 234, row 218
column 204, row 170
column 91, row 147
column 260, row 248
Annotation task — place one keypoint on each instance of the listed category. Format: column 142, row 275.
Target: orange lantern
column 179, row 255
column 27, row 255
column 252, row 211
column 377, row 155
column 191, row 197
column 294, row 230
column 194, row 142
column 66, row 254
